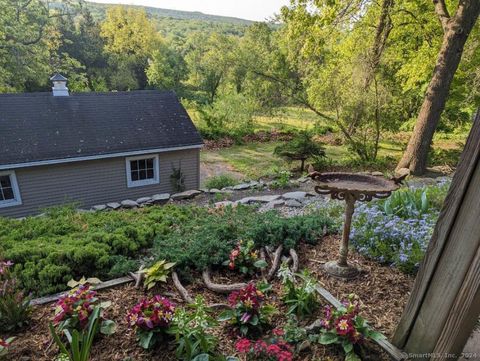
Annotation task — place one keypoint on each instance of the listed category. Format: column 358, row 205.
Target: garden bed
column 383, row 292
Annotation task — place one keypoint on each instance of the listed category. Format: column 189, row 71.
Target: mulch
column 383, row 292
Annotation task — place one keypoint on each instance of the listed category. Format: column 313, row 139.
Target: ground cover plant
column 397, row 230
column 65, row 244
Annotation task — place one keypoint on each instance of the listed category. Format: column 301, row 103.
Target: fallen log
column 220, row 288
column 178, row 285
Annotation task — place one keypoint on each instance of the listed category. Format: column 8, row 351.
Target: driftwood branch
column 295, row 262
column 220, row 288
column 275, row 263
column 138, row 276
column 178, row 285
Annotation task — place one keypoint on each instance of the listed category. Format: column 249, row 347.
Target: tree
column 207, row 58
column 24, row 30
column 301, row 147
column 130, row 38
column 456, row 30
column 167, row 68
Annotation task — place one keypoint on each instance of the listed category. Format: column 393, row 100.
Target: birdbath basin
column 351, row 187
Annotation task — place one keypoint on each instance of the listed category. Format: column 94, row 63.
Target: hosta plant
column 245, row 258
column 272, row 349
column 191, row 327
column 300, row 293
column 14, row 306
column 345, row 327
column 151, row 319
column 73, row 311
column 248, row 310
column 157, row 273
column 4, row 346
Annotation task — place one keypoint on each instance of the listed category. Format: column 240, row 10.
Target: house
column 92, row 148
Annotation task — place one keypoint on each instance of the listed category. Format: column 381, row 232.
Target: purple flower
column 245, row 317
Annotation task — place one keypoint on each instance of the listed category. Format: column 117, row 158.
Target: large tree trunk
column 456, row 31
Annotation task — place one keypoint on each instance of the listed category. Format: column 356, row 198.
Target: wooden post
column 445, row 300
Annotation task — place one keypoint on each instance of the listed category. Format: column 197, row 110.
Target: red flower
column 243, row 345
column 344, row 325
column 278, row 332
column 153, row 313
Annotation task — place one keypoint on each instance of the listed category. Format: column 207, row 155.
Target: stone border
column 166, row 197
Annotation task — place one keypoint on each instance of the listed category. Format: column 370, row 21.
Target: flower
column 278, row 332
column 77, row 306
column 150, row 314
column 243, row 345
column 344, row 325
column 275, row 349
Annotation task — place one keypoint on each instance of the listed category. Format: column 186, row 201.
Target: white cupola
column 59, row 88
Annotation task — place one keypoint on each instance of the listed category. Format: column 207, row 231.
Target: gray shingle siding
column 89, row 183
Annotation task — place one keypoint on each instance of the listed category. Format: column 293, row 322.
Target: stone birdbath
column 351, row 187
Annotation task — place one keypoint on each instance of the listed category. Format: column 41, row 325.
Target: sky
column 246, row 9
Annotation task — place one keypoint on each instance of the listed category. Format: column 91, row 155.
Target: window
column 142, row 171
column 9, row 192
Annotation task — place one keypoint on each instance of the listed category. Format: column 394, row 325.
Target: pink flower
column 243, row 345
column 278, row 332
column 153, row 313
column 344, row 325
column 246, row 317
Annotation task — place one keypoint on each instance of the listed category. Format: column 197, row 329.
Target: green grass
column 289, row 118
column 254, row 160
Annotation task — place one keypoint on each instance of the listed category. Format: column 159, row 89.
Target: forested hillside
column 361, row 68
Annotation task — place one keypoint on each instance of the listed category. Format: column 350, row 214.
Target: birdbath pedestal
column 350, row 187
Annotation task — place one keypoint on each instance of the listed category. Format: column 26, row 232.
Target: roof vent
column 59, row 88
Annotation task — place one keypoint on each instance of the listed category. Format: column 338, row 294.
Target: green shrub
column 220, row 181
column 208, row 238
column 63, row 245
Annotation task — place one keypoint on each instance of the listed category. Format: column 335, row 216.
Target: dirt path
column 210, row 169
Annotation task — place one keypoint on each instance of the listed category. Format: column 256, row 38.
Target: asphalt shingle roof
column 38, row 126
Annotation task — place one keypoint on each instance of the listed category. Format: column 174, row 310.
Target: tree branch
column 442, row 13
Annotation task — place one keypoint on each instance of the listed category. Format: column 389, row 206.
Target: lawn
column 256, row 160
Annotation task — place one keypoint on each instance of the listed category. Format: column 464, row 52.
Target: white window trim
column 144, row 182
column 16, row 191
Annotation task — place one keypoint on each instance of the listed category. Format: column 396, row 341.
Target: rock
column 401, row 172
column 293, row 203
column 219, row 191
column 144, row 200
column 100, row 207
column 203, row 190
column 185, row 195
column 161, row 198
column 254, row 184
column 259, row 199
column 443, row 179
column 377, row 174
column 114, row 205
column 273, row 204
column 225, row 204
column 128, row 203
column 298, row 196
column 303, row 179
column 241, row 187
